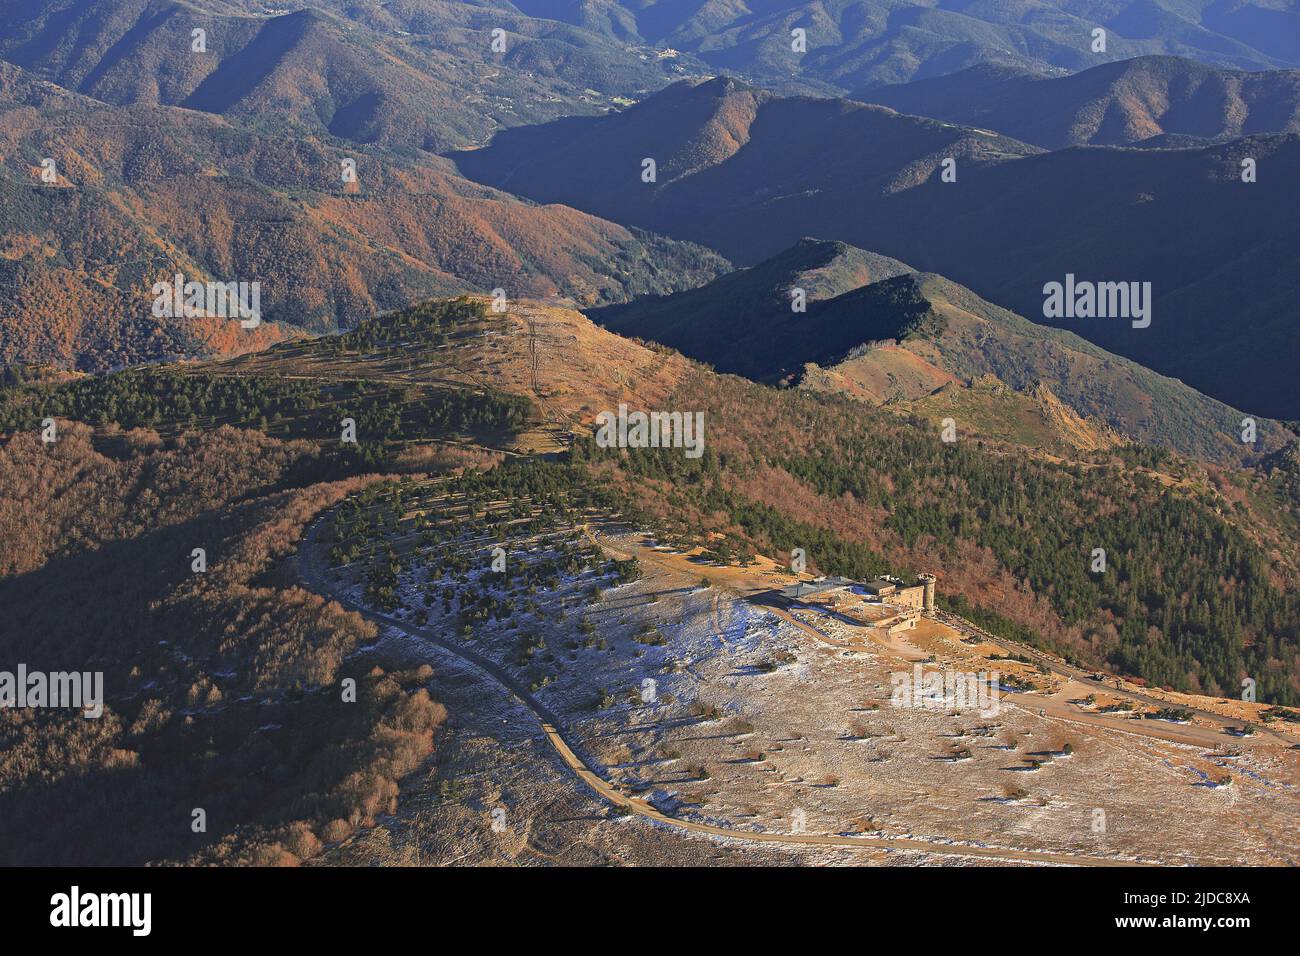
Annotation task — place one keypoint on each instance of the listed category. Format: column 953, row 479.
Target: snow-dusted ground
column 743, row 720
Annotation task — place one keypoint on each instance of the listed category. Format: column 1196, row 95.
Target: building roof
column 805, row 588
column 836, row 582
column 877, row 586
column 802, row 589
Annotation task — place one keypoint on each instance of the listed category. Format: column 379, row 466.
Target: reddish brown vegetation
column 223, row 691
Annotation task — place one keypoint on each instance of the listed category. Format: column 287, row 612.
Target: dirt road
column 313, row 575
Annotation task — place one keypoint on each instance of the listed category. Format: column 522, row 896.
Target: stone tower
column 928, row 580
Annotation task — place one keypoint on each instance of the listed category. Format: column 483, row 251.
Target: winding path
column 570, row 753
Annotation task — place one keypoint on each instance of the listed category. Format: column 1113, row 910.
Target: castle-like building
column 919, row 595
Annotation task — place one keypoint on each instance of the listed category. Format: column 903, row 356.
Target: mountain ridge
column 885, row 333
column 1012, row 219
column 1130, row 102
column 852, row 44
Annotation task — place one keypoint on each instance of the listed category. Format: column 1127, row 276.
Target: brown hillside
column 144, row 193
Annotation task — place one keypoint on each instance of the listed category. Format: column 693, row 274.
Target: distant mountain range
column 426, row 75
column 115, row 94
column 408, row 75
column 879, row 332
column 748, row 173
column 1150, row 100
column 855, row 43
